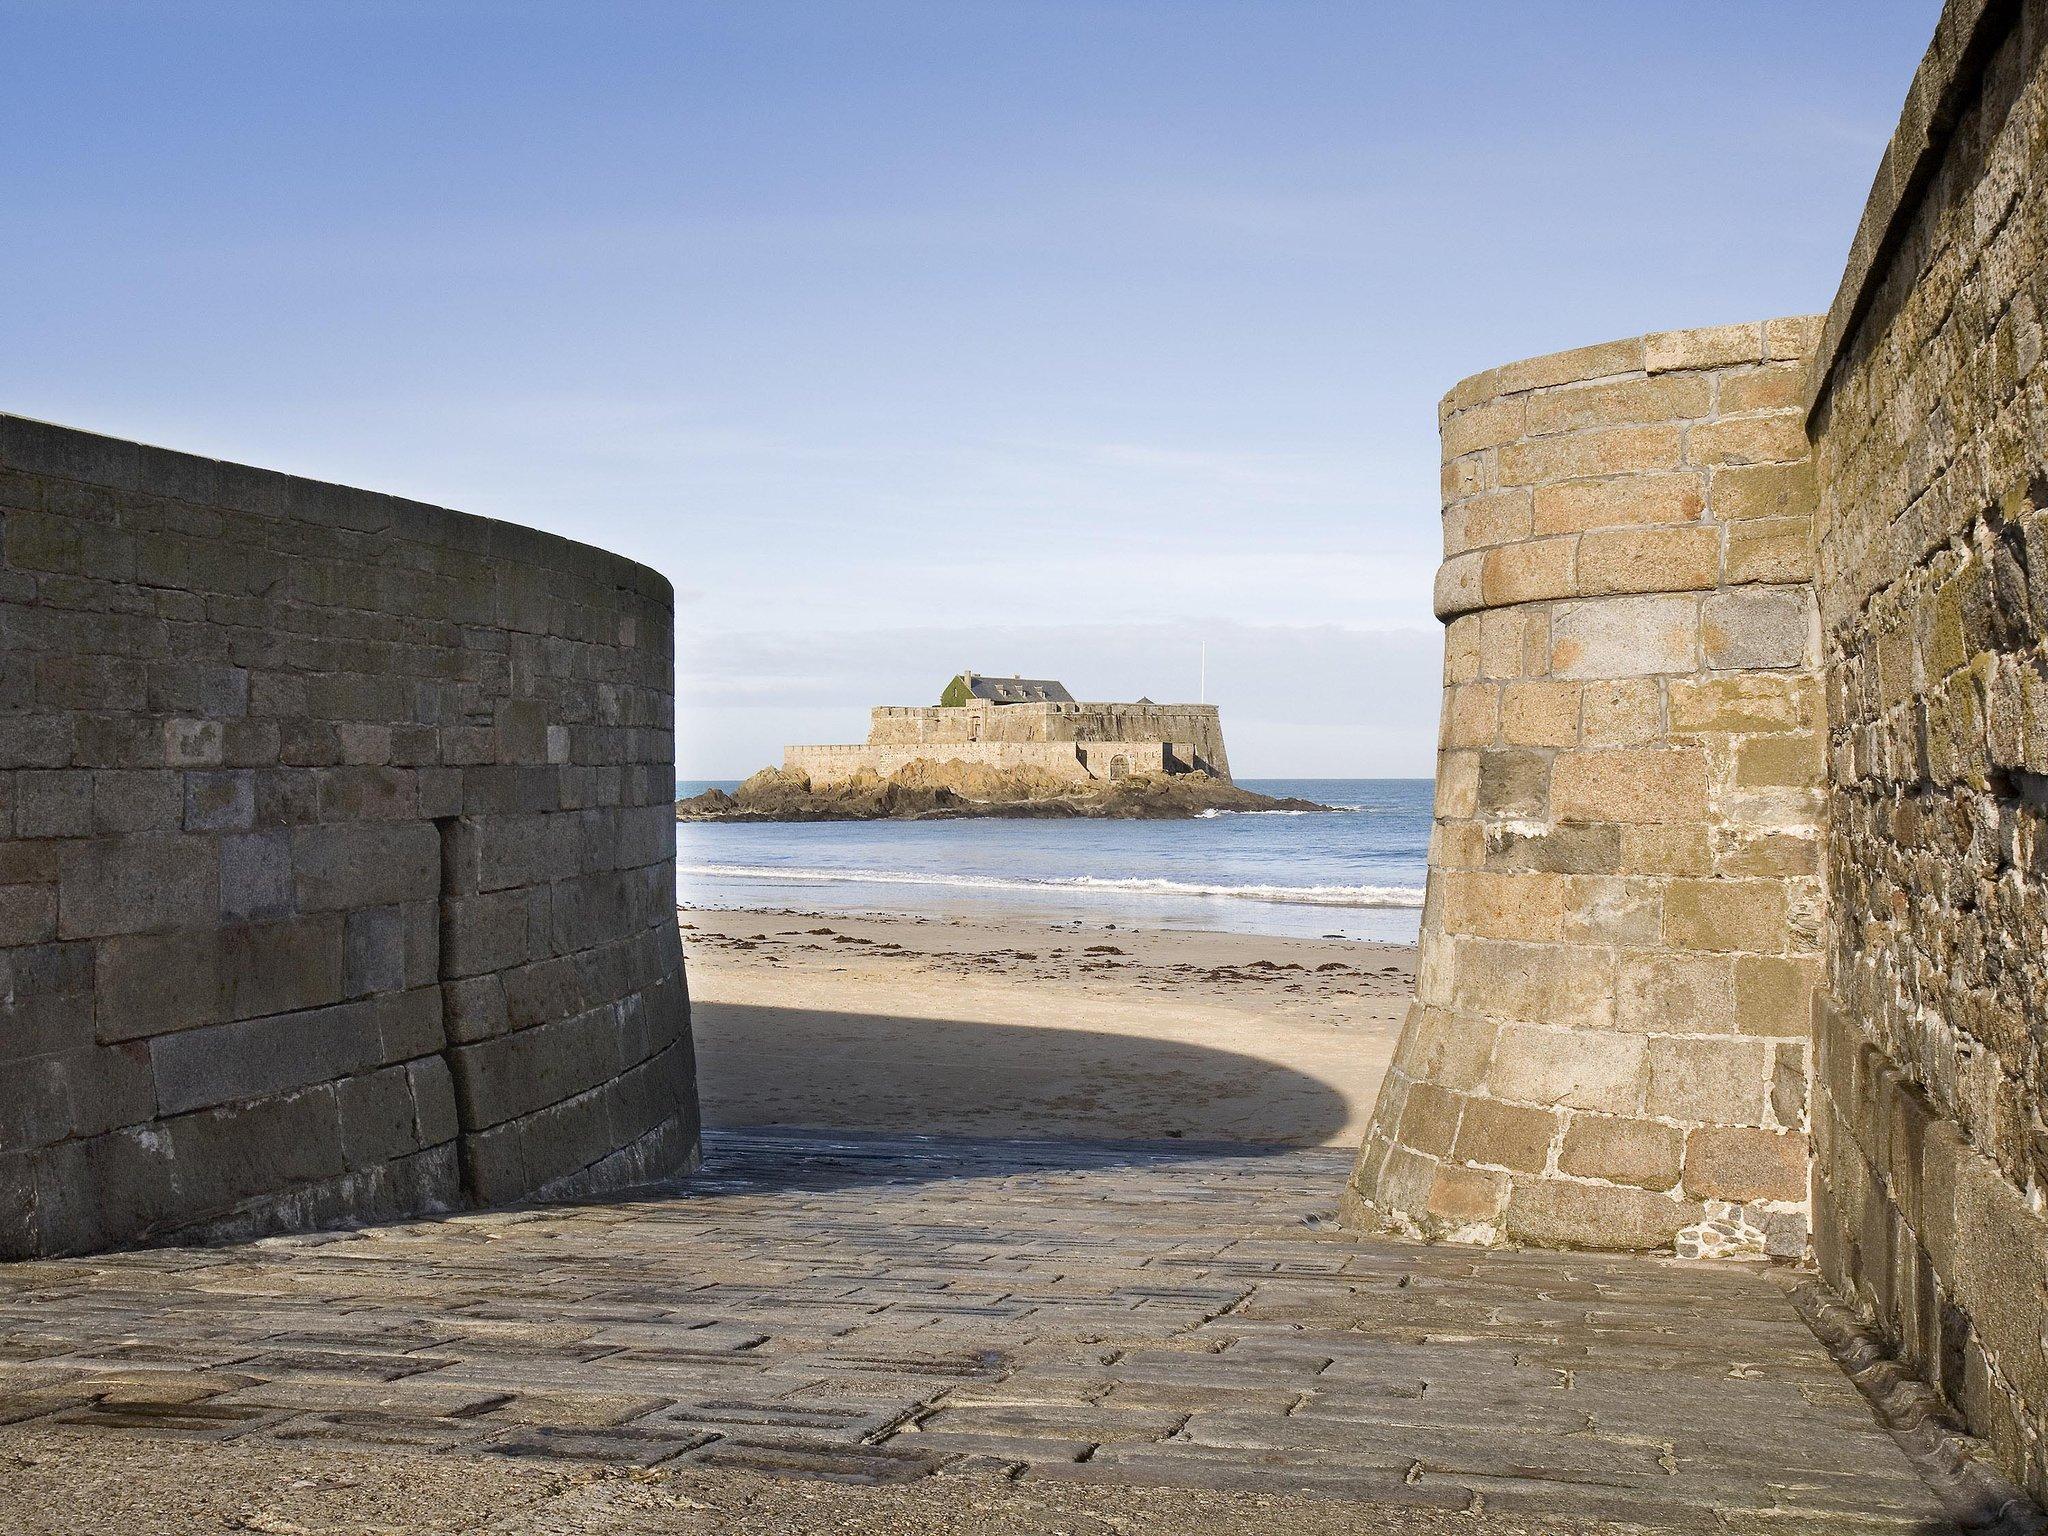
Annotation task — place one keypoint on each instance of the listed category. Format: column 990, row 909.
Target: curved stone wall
column 1608, row 1045
column 337, row 878
column 1930, row 431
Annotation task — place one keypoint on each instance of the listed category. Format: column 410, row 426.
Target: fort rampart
column 1608, row 1042
column 1077, row 762
column 1930, row 431
column 337, row 878
column 1741, row 847
column 1068, row 740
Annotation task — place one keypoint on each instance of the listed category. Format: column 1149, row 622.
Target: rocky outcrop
column 926, row 789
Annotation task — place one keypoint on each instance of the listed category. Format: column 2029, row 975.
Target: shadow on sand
column 880, row 1097
column 807, row 1159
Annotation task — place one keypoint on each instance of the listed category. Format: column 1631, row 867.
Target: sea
column 1354, row 871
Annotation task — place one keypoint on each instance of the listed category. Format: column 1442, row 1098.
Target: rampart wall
column 1638, row 986
column 337, row 878
column 1620, row 936
column 1071, row 741
column 1078, row 762
column 1930, row 430
column 1199, row 726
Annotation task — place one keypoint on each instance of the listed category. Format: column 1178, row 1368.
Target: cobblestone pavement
column 870, row 1311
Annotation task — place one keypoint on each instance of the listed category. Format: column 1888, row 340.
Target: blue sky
column 904, row 337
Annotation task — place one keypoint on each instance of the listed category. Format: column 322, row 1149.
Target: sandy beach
column 1021, row 1027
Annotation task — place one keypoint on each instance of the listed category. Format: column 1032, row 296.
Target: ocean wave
column 1341, row 810
column 1283, row 895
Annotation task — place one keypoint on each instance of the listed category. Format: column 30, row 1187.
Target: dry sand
column 1017, row 1027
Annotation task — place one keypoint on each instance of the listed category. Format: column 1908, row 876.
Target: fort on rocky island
column 1017, row 723
column 338, row 858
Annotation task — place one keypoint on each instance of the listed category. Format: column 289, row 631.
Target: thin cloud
column 1309, row 699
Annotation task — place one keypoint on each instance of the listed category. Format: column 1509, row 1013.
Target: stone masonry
column 1006, row 1325
column 1608, row 1043
column 336, row 883
column 1930, row 430
column 1629, row 942
column 1068, row 740
column 337, row 873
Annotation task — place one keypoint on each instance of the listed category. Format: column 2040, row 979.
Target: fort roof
column 1005, row 690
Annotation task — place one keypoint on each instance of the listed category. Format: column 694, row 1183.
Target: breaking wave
column 1282, row 895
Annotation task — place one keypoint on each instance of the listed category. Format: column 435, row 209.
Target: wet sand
column 1019, row 1027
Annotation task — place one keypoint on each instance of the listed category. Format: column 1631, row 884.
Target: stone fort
column 1015, row 723
column 337, row 872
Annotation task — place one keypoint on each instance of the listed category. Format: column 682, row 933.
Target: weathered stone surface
column 1618, row 501
column 1622, row 713
column 1511, row 1135
column 1758, row 627
column 1718, row 1081
column 1774, row 491
column 1725, row 915
column 1644, row 1153
column 1735, row 1164
column 359, row 864
column 1540, row 459
column 1540, row 714
column 1704, row 347
column 1557, row 1213
column 139, row 884
column 276, row 744
column 253, row 1059
column 1774, row 996
column 1597, row 1070
column 1647, row 784
column 1647, row 560
column 1625, row 637
column 1665, row 994
column 1929, row 440
column 820, row 1327
column 1624, row 901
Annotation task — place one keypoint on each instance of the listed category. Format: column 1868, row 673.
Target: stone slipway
column 902, row 1330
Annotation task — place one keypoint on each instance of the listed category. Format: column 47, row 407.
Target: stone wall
column 1068, row 740
column 337, row 877
column 1199, row 725
column 1608, row 1046
column 1930, row 427
column 1078, row 762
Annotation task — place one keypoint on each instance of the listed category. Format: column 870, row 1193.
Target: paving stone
column 827, row 1463
column 198, row 1421
column 625, row 1447
column 370, row 1428
column 865, row 1310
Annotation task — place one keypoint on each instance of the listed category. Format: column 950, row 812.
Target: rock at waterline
column 929, row 790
